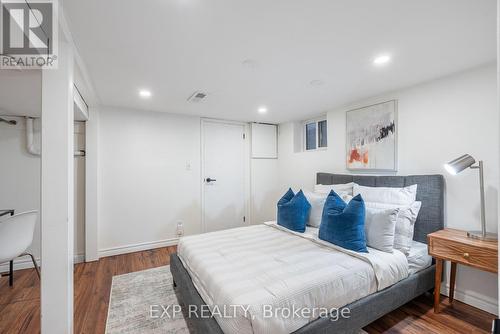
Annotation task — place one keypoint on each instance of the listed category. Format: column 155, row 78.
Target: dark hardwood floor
column 20, row 305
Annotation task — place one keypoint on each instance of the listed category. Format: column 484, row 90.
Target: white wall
column 79, row 176
column 92, row 186
column 498, row 110
column 264, row 176
column 20, row 176
column 145, row 186
column 438, row 121
column 264, row 173
column 20, row 179
column 57, row 195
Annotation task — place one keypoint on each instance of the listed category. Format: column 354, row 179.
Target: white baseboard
column 475, row 299
column 25, row 263
column 137, row 247
column 79, row 258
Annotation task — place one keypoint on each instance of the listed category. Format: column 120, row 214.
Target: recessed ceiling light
column 317, row 83
column 382, row 59
column 144, row 93
column 262, row 110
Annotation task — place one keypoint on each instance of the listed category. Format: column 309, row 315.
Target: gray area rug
column 135, row 304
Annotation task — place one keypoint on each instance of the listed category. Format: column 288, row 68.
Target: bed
column 213, row 276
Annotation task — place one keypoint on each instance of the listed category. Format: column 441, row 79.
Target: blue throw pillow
column 333, row 203
column 344, row 224
column 293, row 211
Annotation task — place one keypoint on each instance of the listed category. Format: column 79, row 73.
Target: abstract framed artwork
column 371, row 142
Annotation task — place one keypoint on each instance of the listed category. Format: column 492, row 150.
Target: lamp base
column 479, row 235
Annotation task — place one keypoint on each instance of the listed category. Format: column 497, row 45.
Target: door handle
column 208, row 180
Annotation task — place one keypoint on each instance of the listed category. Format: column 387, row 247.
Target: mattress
column 418, row 258
column 259, row 270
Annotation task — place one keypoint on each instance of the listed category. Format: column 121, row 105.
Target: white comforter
column 269, row 265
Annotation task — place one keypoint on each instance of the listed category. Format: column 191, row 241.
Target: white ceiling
column 20, row 92
column 176, row 47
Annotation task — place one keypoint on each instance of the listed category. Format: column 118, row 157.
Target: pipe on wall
column 30, row 145
column 10, row 122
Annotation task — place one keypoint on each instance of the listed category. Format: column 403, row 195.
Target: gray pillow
column 405, row 225
column 380, row 226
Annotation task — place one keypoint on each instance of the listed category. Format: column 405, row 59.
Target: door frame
column 246, row 162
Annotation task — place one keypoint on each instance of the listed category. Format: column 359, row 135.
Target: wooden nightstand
column 454, row 246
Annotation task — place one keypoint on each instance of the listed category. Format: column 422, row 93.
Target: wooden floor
column 20, row 311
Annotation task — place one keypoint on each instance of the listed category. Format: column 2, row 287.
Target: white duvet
column 266, row 268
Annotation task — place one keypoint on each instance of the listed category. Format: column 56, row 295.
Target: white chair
column 16, row 235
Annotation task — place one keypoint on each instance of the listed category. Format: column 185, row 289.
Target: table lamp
column 460, row 164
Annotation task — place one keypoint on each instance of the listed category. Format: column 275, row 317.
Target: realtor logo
column 29, row 34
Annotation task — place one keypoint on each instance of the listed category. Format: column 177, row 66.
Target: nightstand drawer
column 478, row 257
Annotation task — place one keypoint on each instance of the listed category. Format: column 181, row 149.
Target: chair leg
column 11, row 272
column 37, row 269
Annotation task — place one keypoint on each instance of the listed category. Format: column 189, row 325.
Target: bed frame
column 430, row 192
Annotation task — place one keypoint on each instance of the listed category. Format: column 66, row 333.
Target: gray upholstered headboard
column 430, row 192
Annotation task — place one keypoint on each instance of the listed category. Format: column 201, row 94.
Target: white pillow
column 405, row 227
column 401, row 196
column 347, row 198
column 317, row 202
column 405, row 224
column 338, row 188
column 380, row 226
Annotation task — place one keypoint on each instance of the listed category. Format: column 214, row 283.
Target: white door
column 223, row 172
